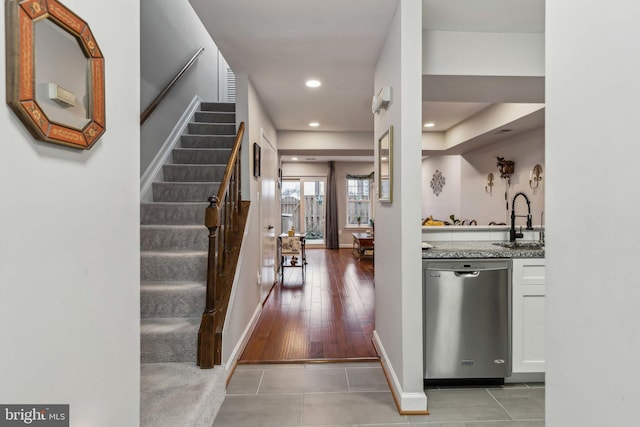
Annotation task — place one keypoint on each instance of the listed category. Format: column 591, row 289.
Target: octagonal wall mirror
column 55, row 73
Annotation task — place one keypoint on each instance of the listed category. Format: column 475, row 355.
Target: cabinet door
column 528, row 328
column 529, row 271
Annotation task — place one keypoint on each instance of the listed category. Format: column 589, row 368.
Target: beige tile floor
column 357, row 395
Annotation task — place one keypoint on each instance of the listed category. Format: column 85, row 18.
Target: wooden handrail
column 222, row 218
column 154, row 104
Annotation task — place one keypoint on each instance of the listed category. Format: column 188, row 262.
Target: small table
column 363, row 244
column 284, row 254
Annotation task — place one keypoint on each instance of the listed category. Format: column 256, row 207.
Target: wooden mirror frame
column 385, row 157
column 21, row 17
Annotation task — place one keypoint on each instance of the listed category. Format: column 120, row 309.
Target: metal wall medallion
column 437, row 182
column 55, row 73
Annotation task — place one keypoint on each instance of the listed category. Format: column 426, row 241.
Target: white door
column 268, row 172
column 313, row 210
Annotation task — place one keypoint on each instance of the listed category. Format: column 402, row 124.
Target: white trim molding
column 407, row 402
column 242, row 342
column 154, row 170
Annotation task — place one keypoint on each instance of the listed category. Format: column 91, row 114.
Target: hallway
column 357, row 395
column 330, row 316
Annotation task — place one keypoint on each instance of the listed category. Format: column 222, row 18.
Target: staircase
column 173, row 269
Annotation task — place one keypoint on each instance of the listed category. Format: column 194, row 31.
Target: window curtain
column 331, row 223
column 368, row 176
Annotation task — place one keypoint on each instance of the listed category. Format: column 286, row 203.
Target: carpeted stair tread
column 173, row 266
column 172, row 299
column 212, row 128
column 180, row 394
column 172, row 213
column 207, row 141
column 215, row 117
column 198, row 156
column 173, row 237
column 184, row 191
column 218, row 106
column 194, row 172
column 170, row 339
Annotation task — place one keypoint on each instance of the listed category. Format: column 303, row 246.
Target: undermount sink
column 521, row 245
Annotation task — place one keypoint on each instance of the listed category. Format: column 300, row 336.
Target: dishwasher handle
column 467, row 273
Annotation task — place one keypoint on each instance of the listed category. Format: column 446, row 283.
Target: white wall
column 397, row 262
column 69, row 248
column 464, row 193
column 593, row 333
column 526, row 151
column 250, row 110
column 303, row 169
column 482, row 54
column 171, row 33
column 448, row 201
column 299, row 140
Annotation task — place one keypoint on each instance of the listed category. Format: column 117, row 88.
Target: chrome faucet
column 512, row 233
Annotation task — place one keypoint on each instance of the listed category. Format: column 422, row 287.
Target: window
column 302, row 203
column 358, row 201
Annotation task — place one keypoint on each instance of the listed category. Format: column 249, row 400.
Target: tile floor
column 357, row 395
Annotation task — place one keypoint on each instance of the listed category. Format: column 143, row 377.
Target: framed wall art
column 385, row 166
column 55, row 73
column 256, row 160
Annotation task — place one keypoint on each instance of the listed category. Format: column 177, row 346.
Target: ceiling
column 282, row 43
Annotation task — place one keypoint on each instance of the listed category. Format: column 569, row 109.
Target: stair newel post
column 206, row 334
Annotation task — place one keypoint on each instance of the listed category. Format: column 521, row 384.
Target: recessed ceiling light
column 295, row 159
column 314, row 124
column 313, row 83
column 429, row 125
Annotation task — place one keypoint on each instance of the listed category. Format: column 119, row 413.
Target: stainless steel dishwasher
column 467, row 319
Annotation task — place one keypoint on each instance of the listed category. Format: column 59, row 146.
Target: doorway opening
column 302, row 206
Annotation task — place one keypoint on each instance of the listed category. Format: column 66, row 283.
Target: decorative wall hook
column 535, row 176
column 488, row 186
column 506, row 168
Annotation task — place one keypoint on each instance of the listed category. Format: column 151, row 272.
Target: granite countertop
column 477, row 249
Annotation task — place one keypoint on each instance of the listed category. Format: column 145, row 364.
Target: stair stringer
column 153, row 173
column 232, row 348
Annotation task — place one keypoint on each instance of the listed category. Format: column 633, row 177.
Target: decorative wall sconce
column 437, row 182
column 535, row 176
column 506, row 168
column 488, row 186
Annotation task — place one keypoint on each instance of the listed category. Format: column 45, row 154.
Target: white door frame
column 268, row 226
column 303, row 224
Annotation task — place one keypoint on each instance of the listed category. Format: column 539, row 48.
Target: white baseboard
column 526, row 377
column 154, row 170
column 407, row 402
column 242, row 342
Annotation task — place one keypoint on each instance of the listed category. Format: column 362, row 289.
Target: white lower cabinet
column 528, row 319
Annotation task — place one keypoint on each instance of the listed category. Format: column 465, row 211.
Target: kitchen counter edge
column 473, row 249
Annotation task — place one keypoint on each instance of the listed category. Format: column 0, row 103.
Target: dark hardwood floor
column 328, row 317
